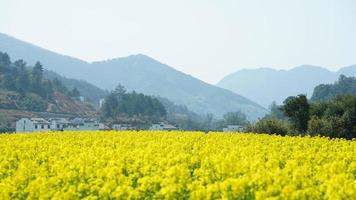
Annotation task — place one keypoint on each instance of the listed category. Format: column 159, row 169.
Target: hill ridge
column 143, row 74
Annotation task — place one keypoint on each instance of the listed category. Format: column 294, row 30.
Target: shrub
column 270, row 126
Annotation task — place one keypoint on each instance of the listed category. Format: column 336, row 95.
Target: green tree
column 8, row 82
column 235, row 118
column 74, row 93
column 269, row 126
column 110, row 106
column 37, row 75
column 132, row 105
column 120, row 90
column 22, row 80
column 275, row 112
column 57, row 85
column 296, row 108
column 4, row 61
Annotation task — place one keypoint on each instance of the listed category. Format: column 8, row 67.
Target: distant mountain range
column 266, row 85
column 140, row 73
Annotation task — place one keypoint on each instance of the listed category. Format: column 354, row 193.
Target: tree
column 269, row 126
column 74, row 93
column 132, row 105
column 275, row 112
column 22, row 80
column 48, row 89
column 57, row 85
column 110, row 106
column 235, row 118
column 8, row 81
column 119, row 90
column 209, row 121
column 37, row 75
column 4, row 61
column 296, row 108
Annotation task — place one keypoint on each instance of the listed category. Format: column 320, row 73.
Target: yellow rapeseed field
column 175, row 165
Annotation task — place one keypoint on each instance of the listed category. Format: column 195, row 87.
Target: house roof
column 165, row 126
column 77, row 120
column 60, row 120
column 39, row 121
column 168, row 126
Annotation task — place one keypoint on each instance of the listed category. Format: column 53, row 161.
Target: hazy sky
column 205, row 38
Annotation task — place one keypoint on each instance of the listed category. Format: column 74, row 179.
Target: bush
column 269, row 126
column 319, row 126
column 334, row 127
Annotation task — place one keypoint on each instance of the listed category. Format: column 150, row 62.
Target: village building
column 122, row 127
column 56, row 124
column 104, row 127
column 60, row 124
column 101, row 102
column 84, row 124
column 32, row 124
column 81, row 98
column 163, row 126
column 233, row 128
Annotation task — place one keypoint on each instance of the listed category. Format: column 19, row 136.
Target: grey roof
column 39, row 121
column 60, row 120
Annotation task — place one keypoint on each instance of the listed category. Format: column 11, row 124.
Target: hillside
column 24, row 89
column 266, row 85
column 90, row 92
column 139, row 73
column 344, row 86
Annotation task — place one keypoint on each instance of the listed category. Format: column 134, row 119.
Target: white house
column 101, row 102
column 60, row 124
column 57, row 124
column 103, row 126
column 122, row 127
column 233, row 128
column 163, row 126
column 84, row 124
column 81, row 98
column 32, row 124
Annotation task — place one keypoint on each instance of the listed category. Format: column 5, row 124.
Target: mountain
column 266, row 85
column 140, row 73
column 146, row 75
column 348, row 71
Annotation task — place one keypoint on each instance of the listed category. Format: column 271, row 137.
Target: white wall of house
column 58, row 126
column 24, row 125
column 101, row 102
column 27, row 125
column 86, row 126
column 121, row 127
column 156, row 127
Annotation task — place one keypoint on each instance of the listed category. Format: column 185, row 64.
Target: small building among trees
column 163, row 127
column 233, row 128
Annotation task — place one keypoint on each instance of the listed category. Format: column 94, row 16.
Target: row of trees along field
column 24, row 87
column 331, row 112
column 121, row 106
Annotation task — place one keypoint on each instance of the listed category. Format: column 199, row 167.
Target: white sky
column 205, row 38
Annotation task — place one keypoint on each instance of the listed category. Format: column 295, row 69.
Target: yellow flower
column 175, row 165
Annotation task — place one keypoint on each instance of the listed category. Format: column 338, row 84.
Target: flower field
column 175, row 165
